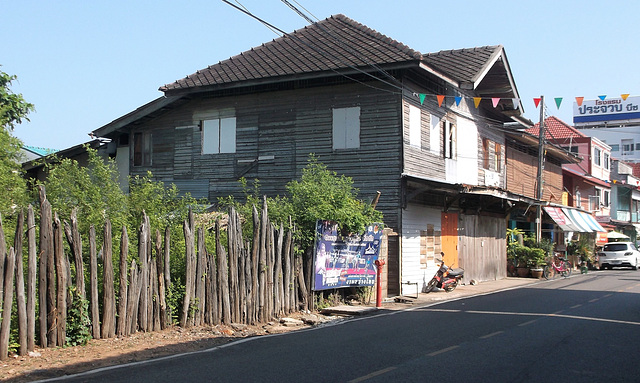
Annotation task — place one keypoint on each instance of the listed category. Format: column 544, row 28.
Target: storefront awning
column 561, row 219
column 585, row 221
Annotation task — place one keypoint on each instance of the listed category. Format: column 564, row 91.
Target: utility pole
column 540, row 168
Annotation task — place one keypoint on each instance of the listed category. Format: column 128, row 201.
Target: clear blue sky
column 86, row 63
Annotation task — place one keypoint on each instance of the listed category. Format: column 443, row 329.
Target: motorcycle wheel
column 450, row 287
column 432, row 283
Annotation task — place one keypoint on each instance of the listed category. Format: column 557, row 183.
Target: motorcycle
column 445, row 278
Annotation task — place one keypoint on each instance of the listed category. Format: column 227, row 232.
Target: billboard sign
column 345, row 261
column 606, row 110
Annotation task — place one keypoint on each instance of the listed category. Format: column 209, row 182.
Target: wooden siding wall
column 421, row 162
column 522, row 170
column 482, row 250
column 282, row 128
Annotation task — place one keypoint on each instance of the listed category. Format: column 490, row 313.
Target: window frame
column 142, row 149
column 345, row 132
column 223, row 132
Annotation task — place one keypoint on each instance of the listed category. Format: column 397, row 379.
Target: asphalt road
column 581, row 329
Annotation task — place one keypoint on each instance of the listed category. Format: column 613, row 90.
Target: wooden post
column 255, row 255
column 52, row 334
column 93, row 284
column 61, row 282
column 109, row 298
column 188, row 228
column 133, row 298
column 270, row 271
column 162, row 300
column 144, row 269
column 287, row 273
column 75, row 244
column 212, row 290
column 262, row 265
column 199, row 282
column 167, row 268
column 3, row 257
column 32, row 267
column 20, row 298
column 46, row 252
column 5, row 327
column 279, row 280
column 301, row 284
column 123, row 291
column 223, row 278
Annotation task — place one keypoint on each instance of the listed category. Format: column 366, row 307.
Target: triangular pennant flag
column 440, row 99
column 476, row 101
column 422, row 97
column 495, row 101
column 458, row 99
column 516, row 103
column 602, row 97
column 624, row 96
column 579, row 100
column 558, row 101
column 537, row 101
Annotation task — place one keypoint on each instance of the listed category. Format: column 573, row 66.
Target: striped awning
column 586, row 222
column 558, row 216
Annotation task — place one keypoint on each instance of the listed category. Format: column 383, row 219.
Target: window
column 606, row 161
column 498, row 158
column 615, row 147
column 142, row 149
column 627, row 146
column 415, row 126
column 434, row 135
column 346, row 128
column 219, row 135
column 449, row 131
column 485, row 153
column 597, row 153
column 605, row 198
column 638, row 146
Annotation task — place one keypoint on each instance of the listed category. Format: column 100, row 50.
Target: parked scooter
column 446, row 278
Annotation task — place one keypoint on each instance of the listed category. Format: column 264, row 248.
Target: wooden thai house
column 425, row 130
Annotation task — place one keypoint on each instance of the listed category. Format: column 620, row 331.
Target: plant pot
column 523, row 272
column 537, row 273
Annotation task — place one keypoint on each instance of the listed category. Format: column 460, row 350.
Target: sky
column 85, row 63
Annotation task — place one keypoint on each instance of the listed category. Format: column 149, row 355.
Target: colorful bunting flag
column 579, row 100
column 516, row 103
column 602, row 97
column 495, row 101
column 537, row 101
column 422, row 97
column 624, row 96
column 558, row 101
column 440, row 99
column 476, row 101
column 458, row 99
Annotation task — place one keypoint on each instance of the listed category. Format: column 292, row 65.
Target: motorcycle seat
column 456, row 272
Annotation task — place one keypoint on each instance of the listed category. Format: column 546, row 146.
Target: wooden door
column 449, row 222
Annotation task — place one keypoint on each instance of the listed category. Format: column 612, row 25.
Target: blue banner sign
column 607, row 110
column 345, row 261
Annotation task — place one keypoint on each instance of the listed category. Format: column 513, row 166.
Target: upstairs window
column 485, row 153
column 606, row 161
column 434, row 135
column 142, row 149
column 597, row 154
column 219, row 135
column 346, row 128
column 627, row 146
column 615, row 147
column 449, row 134
column 498, row 158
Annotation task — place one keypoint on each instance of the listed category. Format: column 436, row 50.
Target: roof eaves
column 440, row 75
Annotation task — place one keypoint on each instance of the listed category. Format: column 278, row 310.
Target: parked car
column 619, row 254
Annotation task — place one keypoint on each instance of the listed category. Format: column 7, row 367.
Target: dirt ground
column 54, row 362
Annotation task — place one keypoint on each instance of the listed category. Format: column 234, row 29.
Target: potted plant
column 536, row 260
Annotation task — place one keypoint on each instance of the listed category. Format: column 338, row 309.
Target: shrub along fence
column 249, row 281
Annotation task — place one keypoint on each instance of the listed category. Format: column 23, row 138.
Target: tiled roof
column 332, row 44
column 555, row 130
column 636, row 169
column 463, row 64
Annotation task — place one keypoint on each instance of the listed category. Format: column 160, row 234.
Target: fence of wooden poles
column 249, row 282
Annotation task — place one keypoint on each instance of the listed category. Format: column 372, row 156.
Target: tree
column 13, row 109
